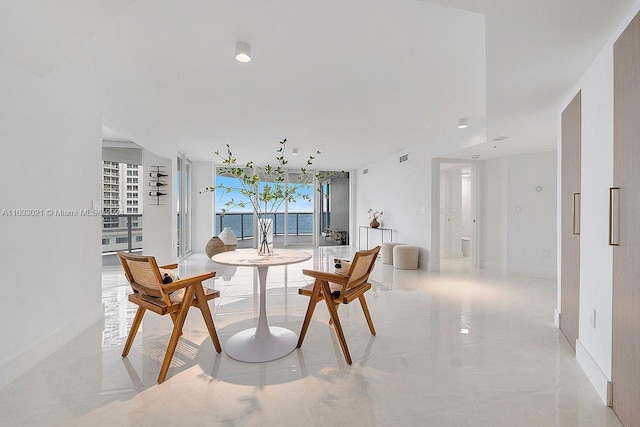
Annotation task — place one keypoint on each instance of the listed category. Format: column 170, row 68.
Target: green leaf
column 277, row 191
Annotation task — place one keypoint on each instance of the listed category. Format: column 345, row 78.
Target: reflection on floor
column 456, row 265
column 452, row 349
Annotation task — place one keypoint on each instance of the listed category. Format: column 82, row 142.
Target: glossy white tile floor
column 457, row 348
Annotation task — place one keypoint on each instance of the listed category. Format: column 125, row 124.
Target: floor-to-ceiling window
column 292, row 223
column 240, row 217
column 183, row 199
column 122, row 199
column 333, row 209
column 296, row 221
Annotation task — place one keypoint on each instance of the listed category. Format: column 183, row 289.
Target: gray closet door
column 625, row 227
column 570, row 276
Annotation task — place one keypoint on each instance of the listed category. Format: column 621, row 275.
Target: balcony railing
column 121, row 232
column 300, row 223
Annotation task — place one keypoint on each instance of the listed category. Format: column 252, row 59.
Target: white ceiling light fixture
column 462, row 123
column 294, row 151
column 243, row 52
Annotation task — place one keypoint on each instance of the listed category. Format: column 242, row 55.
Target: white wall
column 493, row 207
column 531, row 215
column 467, row 217
column 452, row 213
column 593, row 347
column 400, row 190
column 596, row 257
column 519, row 224
column 443, row 217
column 202, row 205
column 50, row 131
column 403, row 191
column 159, row 224
column 339, row 203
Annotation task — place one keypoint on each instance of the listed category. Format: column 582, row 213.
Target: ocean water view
column 241, row 223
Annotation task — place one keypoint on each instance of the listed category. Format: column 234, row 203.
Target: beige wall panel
column 626, row 223
column 570, row 277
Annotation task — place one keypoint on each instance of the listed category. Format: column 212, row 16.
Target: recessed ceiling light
column 243, row 52
column 500, row 138
column 462, row 123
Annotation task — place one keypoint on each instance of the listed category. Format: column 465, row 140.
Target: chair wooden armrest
column 169, row 266
column 189, row 281
column 329, row 277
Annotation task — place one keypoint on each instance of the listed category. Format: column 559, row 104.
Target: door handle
column 614, row 216
column 575, row 229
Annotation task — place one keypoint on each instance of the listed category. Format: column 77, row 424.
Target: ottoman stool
column 387, row 252
column 405, row 257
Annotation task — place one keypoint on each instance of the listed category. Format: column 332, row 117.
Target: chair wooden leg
column 134, row 330
column 177, row 330
column 337, row 305
column 206, row 314
column 174, row 316
column 367, row 315
column 336, row 322
column 313, row 300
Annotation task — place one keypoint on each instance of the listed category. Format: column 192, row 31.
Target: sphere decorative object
column 214, row 246
column 229, row 239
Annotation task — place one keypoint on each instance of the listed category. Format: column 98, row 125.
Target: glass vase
column 265, row 236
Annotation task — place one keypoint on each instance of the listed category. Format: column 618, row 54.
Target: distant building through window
column 121, row 196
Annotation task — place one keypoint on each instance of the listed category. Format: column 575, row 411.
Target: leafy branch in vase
column 265, row 187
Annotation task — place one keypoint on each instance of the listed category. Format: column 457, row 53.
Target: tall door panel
column 625, row 227
column 570, row 277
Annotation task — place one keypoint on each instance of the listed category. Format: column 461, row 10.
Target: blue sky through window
column 222, row 197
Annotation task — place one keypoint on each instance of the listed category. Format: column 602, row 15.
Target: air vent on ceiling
column 365, row 171
column 404, row 158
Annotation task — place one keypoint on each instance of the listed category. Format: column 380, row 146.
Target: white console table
column 367, row 229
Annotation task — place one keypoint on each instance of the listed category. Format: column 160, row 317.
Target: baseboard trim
column 491, row 266
column 43, row 348
column 540, row 273
column 430, row 266
column 598, row 379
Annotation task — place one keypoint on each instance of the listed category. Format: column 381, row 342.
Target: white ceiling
column 358, row 80
column 355, row 80
column 40, row 34
column 536, row 53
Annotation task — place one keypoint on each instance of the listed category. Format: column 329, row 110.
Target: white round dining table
column 262, row 343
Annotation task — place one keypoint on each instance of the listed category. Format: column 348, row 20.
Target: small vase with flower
column 374, row 215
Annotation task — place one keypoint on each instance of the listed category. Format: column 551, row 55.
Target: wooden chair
column 336, row 289
column 175, row 299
